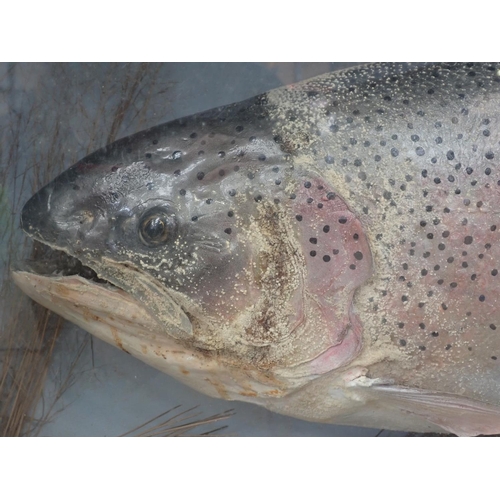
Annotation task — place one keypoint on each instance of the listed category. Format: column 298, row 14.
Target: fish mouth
column 56, row 267
column 51, row 262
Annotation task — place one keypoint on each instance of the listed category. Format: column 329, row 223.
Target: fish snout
column 36, row 212
column 49, row 214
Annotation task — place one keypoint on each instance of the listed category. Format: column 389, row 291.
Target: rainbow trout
column 329, row 250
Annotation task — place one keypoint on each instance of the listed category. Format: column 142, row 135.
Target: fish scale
column 328, row 250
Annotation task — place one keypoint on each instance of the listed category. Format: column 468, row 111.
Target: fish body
column 329, row 250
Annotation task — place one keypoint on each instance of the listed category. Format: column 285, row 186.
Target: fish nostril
column 83, row 217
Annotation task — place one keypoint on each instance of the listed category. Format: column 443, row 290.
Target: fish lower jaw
column 114, row 316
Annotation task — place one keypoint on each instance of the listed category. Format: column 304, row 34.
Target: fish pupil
column 155, row 228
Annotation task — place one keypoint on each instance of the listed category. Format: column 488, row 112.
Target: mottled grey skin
column 329, row 249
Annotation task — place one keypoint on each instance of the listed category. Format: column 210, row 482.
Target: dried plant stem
column 24, row 370
column 174, row 426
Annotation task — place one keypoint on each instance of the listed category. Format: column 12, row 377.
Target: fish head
column 243, row 259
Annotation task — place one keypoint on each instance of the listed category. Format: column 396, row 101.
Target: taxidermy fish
column 329, row 250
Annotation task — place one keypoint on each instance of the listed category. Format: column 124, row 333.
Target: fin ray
column 454, row 413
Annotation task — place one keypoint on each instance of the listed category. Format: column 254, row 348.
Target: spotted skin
column 418, row 158
column 338, row 238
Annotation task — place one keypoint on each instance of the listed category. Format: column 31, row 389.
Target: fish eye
column 156, row 227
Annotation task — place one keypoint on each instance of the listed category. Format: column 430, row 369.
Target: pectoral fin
column 454, row 413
